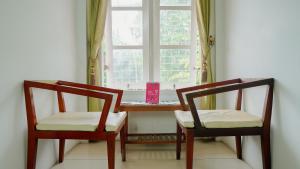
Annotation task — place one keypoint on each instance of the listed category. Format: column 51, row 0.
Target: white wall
column 38, row 40
column 261, row 39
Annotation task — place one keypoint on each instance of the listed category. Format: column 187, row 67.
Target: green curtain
column 203, row 8
column 96, row 15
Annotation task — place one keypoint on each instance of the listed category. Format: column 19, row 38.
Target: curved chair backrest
column 72, row 88
column 238, row 85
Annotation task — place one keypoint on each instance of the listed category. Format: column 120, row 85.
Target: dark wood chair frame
column 200, row 131
column 61, row 87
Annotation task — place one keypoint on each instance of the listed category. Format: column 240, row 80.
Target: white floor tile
column 220, row 164
column 211, row 155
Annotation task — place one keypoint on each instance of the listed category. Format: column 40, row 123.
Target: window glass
column 175, row 2
column 126, row 3
column 174, row 65
column 127, row 65
column 175, row 27
column 127, row 28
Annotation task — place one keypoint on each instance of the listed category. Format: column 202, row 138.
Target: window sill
column 139, row 95
column 143, row 90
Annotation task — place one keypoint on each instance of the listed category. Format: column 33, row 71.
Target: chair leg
column 123, row 145
column 61, row 150
column 31, row 152
column 111, row 140
column 189, row 148
column 238, row 144
column 266, row 151
column 178, row 141
column 126, row 127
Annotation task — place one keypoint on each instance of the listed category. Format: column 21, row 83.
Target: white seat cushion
column 219, row 119
column 80, row 121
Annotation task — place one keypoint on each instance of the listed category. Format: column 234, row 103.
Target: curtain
column 203, row 19
column 96, row 15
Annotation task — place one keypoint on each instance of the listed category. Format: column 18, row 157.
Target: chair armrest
column 66, row 89
column 97, row 88
column 180, row 92
column 227, row 88
column 231, row 87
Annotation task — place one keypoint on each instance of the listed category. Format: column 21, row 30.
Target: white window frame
column 150, row 44
column 144, row 46
column 157, row 46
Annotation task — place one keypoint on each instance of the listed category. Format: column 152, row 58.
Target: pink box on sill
column 152, row 92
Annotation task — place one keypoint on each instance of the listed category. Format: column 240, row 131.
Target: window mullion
column 175, row 7
column 193, row 56
column 128, row 47
column 109, row 44
column 156, row 40
column 146, row 43
column 127, row 8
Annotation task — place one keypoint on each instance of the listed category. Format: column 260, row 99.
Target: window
column 150, row 40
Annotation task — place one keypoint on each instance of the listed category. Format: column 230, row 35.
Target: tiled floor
column 212, row 155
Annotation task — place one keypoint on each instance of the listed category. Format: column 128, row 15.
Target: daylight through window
column 150, row 40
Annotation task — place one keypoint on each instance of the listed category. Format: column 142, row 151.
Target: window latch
column 106, row 67
column 197, row 68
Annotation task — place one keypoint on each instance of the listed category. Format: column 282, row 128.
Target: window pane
column 127, row 28
column 126, row 3
column 175, row 27
column 174, row 65
column 175, row 2
column 127, row 65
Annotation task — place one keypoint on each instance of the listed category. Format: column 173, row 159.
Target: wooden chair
column 210, row 123
column 64, row 125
